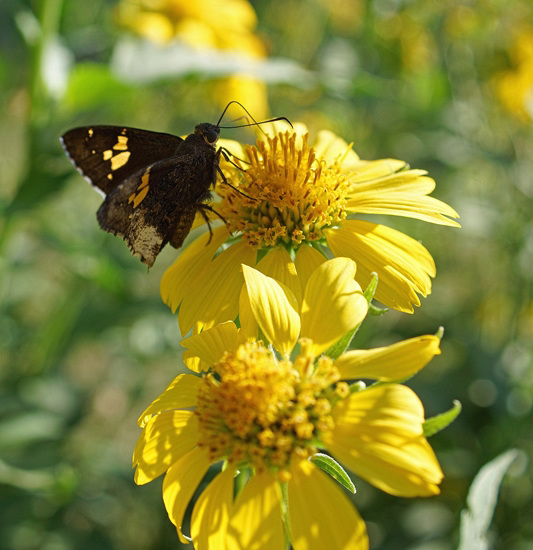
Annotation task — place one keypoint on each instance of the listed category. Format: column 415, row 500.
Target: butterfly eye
column 211, row 136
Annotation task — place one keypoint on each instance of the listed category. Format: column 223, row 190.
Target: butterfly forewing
column 107, row 155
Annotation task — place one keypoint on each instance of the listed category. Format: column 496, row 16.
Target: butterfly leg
column 226, row 154
column 232, row 186
column 202, row 207
column 223, row 152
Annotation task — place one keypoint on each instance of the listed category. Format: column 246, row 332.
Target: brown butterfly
column 153, row 183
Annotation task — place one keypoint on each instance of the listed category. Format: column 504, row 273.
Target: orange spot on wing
column 140, row 196
column 144, row 180
column 122, row 144
column 118, row 161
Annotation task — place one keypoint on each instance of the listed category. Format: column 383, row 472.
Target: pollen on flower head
column 290, row 194
column 256, row 410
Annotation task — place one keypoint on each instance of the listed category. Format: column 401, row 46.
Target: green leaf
column 375, row 311
column 441, row 421
column 369, row 295
column 481, row 500
column 371, row 288
column 93, row 84
column 334, row 469
column 338, row 348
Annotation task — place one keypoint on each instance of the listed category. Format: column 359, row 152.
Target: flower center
column 292, row 195
column 256, row 410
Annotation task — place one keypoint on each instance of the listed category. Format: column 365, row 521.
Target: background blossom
column 206, row 24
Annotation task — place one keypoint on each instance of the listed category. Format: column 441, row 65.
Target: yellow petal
column 249, row 326
column 163, row 441
column 256, row 521
column 214, row 297
column 330, row 147
column 155, row 27
column 195, row 33
column 211, row 513
column 238, row 16
column 306, row 261
column 407, row 181
column 179, row 394
column 333, row 304
column 395, row 362
column 378, row 435
column 401, row 194
column 180, row 483
column 179, row 278
column 278, row 264
column 193, row 362
column 275, row 309
column 235, row 148
column 321, row 515
column 366, row 170
column 273, row 128
column 248, row 90
column 211, row 344
column 403, row 265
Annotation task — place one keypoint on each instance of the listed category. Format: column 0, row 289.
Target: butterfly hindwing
column 107, row 155
column 158, row 204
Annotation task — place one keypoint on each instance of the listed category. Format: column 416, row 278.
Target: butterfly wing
column 108, row 155
column 158, row 203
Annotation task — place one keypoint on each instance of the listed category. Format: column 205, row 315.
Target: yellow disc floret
column 290, row 193
column 255, row 409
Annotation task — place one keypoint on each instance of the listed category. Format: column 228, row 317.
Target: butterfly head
column 209, row 132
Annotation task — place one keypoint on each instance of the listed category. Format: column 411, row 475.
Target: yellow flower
column 206, row 24
column 515, row 87
column 298, row 200
column 247, row 90
column 268, row 413
column 225, row 25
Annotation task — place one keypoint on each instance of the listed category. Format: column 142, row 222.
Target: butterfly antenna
column 225, row 109
column 255, row 123
column 243, row 117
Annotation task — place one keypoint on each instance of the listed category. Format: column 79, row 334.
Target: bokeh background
column 86, row 342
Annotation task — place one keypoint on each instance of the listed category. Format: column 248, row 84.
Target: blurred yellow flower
column 266, row 414
column 226, row 25
column 205, row 24
column 247, row 90
column 515, row 87
column 298, row 200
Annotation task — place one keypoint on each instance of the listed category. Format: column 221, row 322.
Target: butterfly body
column 153, row 183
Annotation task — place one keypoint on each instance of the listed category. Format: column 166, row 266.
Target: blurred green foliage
column 87, row 343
